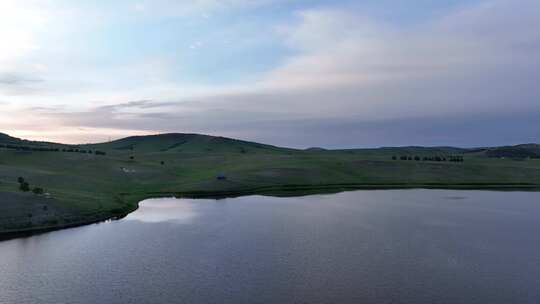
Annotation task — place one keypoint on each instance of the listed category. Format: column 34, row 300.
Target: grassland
column 85, row 187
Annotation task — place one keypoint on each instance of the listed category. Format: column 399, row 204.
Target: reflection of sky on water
column 158, row 210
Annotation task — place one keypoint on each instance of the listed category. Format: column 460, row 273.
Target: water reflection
column 171, row 210
column 399, row 246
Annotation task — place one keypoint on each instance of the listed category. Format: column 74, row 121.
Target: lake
column 391, row 246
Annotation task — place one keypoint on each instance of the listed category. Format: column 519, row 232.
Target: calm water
column 402, row 246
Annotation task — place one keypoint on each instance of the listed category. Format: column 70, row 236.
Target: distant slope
column 185, row 142
column 10, row 140
column 6, row 139
column 518, row 151
column 199, row 143
column 413, row 150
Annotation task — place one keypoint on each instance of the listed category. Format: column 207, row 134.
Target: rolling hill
column 518, row 151
column 10, row 140
column 83, row 186
column 185, row 142
column 6, row 139
column 200, row 143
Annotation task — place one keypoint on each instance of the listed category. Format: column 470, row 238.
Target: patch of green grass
column 87, row 187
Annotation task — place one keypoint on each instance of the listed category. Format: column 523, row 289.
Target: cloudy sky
column 339, row 73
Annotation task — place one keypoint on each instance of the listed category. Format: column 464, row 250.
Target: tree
column 162, row 163
column 132, row 157
column 24, row 186
column 20, row 180
column 394, row 157
column 417, row 158
column 37, row 190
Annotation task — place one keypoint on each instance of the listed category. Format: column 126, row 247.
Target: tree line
column 49, row 149
column 451, row 158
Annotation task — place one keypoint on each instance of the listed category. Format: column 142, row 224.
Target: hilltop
column 6, row 139
column 201, row 143
column 518, row 151
column 10, row 140
column 184, row 142
column 93, row 182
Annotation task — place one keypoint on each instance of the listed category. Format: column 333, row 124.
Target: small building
column 221, row 176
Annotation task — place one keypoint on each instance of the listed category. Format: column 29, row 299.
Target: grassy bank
column 89, row 187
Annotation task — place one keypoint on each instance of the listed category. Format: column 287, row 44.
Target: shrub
column 37, row 190
column 24, row 186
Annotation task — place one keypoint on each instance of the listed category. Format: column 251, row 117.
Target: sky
column 334, row 74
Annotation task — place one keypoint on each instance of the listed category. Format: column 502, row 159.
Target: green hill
column 189, row 143
column 518, row 151
column 88, row 183
column 6, row 139
column 10, row 140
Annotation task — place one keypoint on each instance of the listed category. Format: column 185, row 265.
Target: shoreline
column 133, row 199
column 7, row 235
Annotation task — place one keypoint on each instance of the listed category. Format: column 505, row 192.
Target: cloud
column 106, row 122
column 10, row 79
column 349, row 80
column 202, row 8
column 139, row 7
column 355, row 67
column 18, row 84
column 19, row 26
